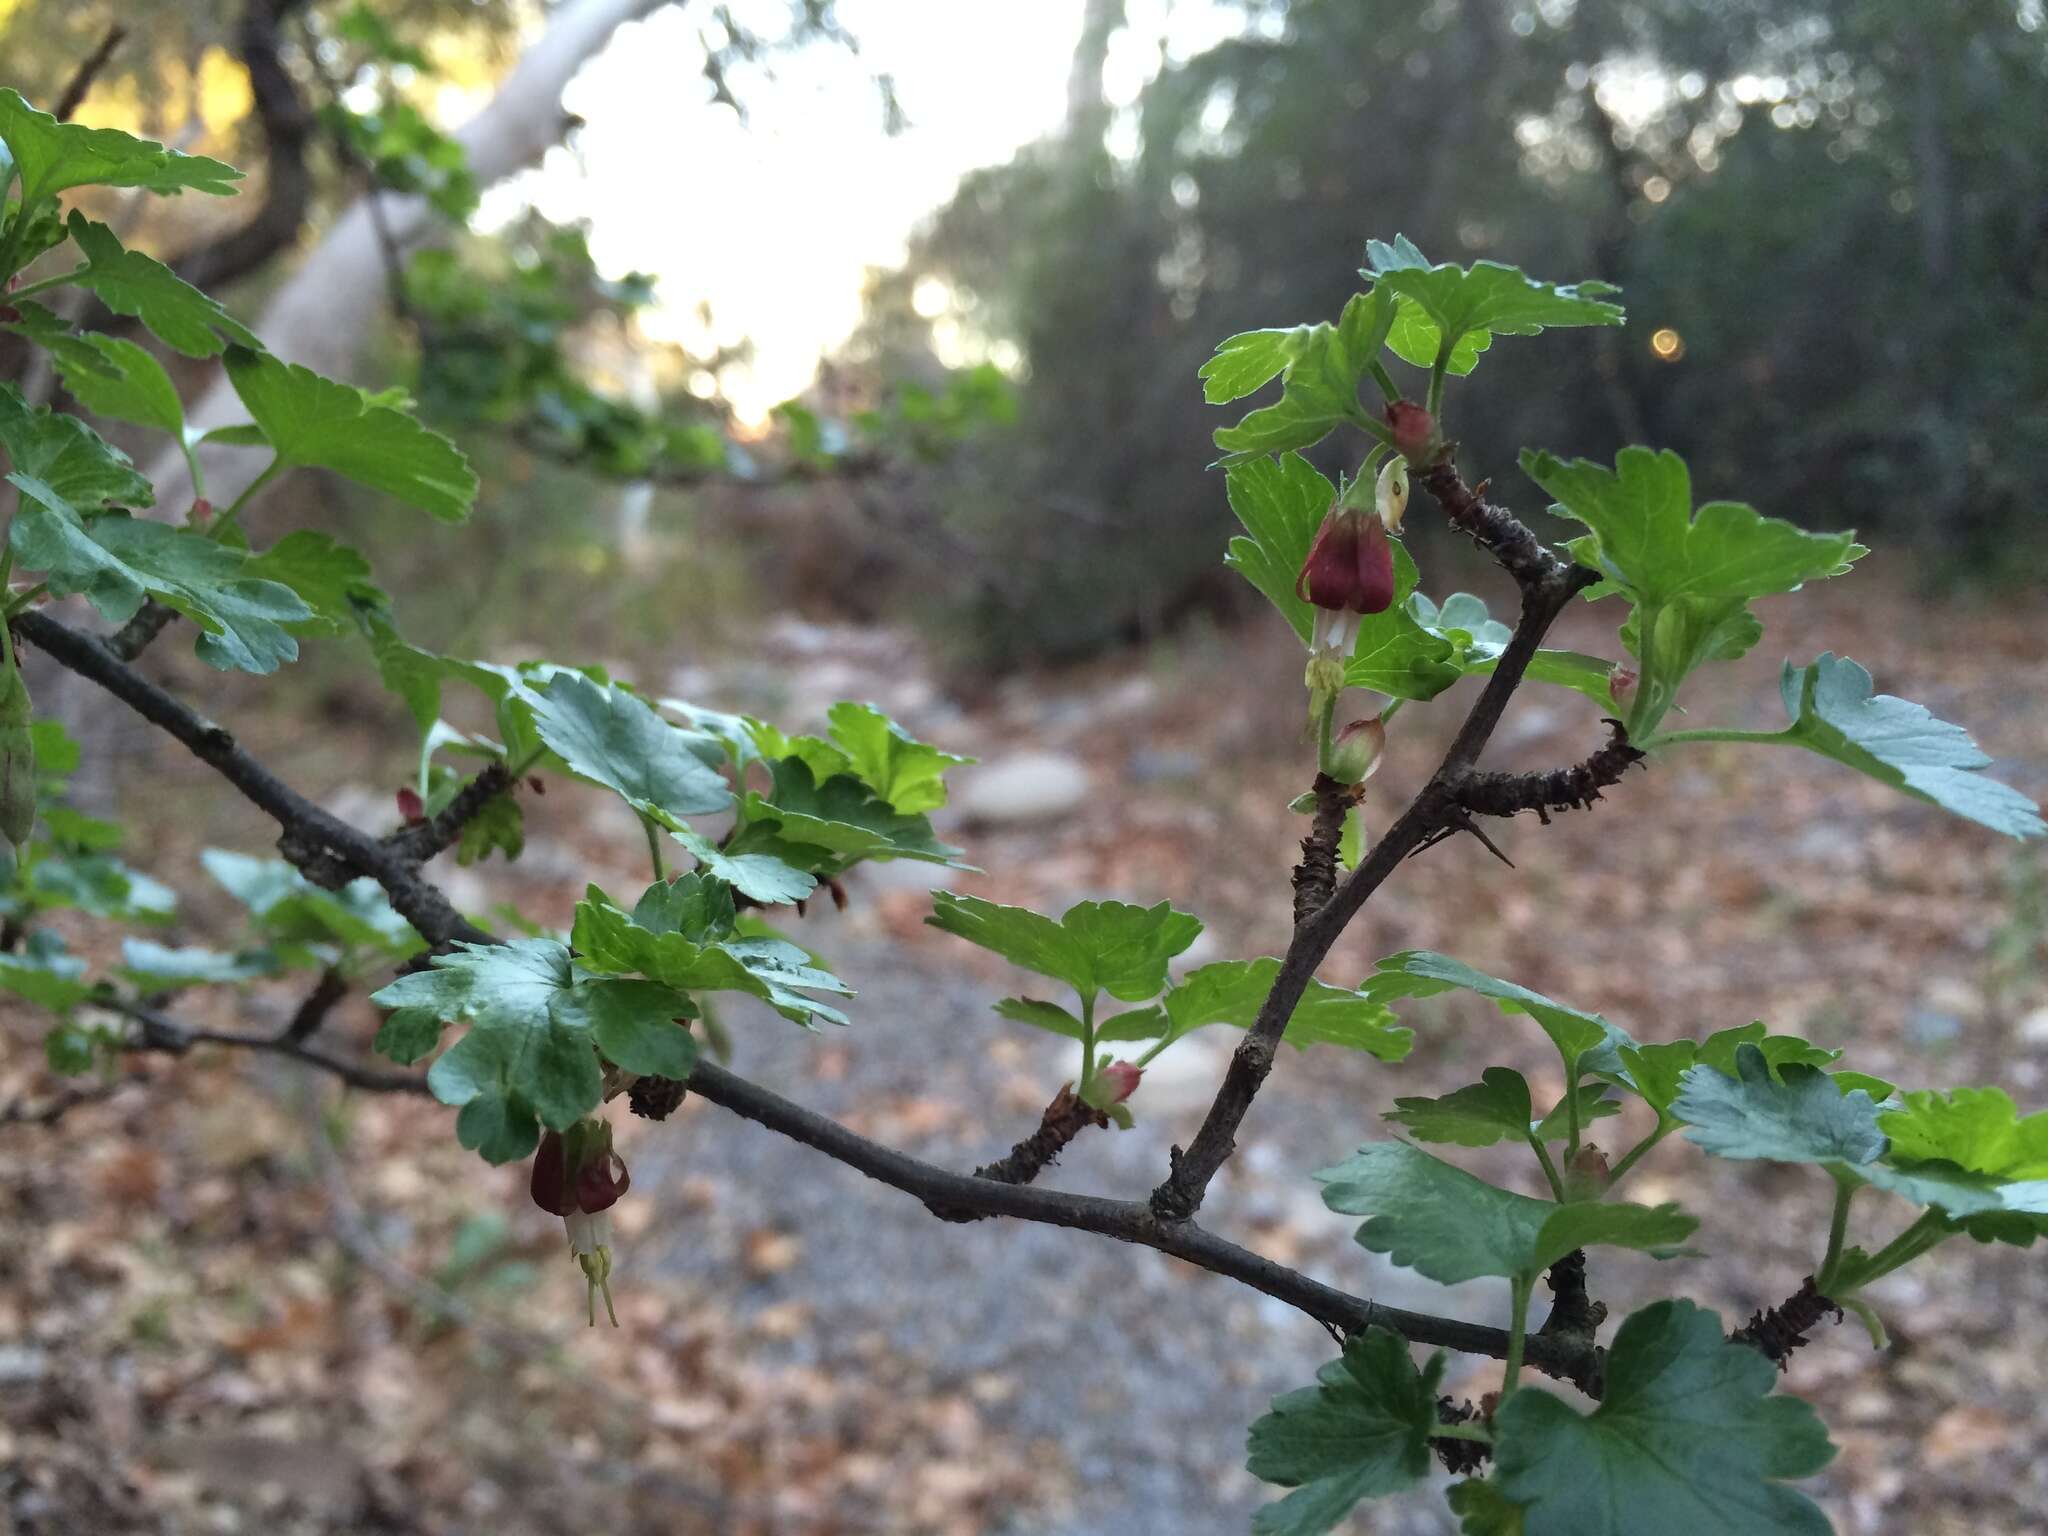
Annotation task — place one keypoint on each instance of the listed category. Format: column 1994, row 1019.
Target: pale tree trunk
column 322, row 312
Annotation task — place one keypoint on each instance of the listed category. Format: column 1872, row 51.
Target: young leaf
column 1484, row 299
column 1979, row 1129
column 902, row 770
column 1095, row 947
column 1477, row 641
column 1232, row 992
column 1248, row 360
column 45, row 975
column 108, row 375
column 615, row 738
column 117, row 560
column 1052, row 1017
column 1496, row 1108
column 1718, row 1050
column 1440, row 1221
column 130, row 283
column 1281, row 504
column 1319, row 382
column 1800, row 1115
column 51, row 156
column 1556, row 1126
column 1899, row 743
column 66, row 455
column 157, row 968
column 1586, row 1041
column 290, row 911
column 1647, row 539
column 760, row 876
column 838, row 819
column 315, row 422
column 1361, row 1432
column 331, row 579
column 672, row 938
column 1687, row 1428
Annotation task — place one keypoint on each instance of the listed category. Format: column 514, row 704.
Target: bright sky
column 776, row 221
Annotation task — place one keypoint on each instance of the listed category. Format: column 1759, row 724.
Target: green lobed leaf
column 763, row 877
column 615, row 738
column 637, row 1024
column 331, row 579
column 1556, row 1126
column 42, row 972
column 116, row 560
column 1437, row 1219
column 130, row 283
column 158, row 968
column 290, row 911
column 1798, row 1115
column 1319, row 382
column 1483, row 1510
column 64, row 454
column 839, row 819
column 108, row 375
column 1586, row 1041
column 51, row 157
column 1647, row 538
column 1835, row 713
column 1496, row 1108
column 681, row 936
column 1464, row 303
column 529, row 1046
column 1978, row 1129
column 1362, row 1431
column 1232, row 991
column 1094, row 947
column 314, row 422
column 1049, row 1016
column 906, row 773
column 1248, row 360
column 1687, row 1427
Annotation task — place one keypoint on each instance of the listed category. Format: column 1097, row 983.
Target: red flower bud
column 201, row 513
column 1621, row 686
column 1414, row 430
column 1350, row 565
column 411, row 807
column 1119, row 1081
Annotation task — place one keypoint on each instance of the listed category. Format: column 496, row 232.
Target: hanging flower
column 1349, row 570
column 578, row 1177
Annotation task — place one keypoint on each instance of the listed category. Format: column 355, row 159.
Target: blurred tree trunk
column 1087, row 111
column 324, row 309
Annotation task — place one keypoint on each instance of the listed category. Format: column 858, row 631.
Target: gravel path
column 1113, row 1352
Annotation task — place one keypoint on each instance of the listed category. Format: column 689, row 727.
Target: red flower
column 1350, row 566
column 578, row 1177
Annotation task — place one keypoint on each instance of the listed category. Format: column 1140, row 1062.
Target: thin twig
column 421, row 841
column 313, row 1009
column 158, row 1031
column 88, row 71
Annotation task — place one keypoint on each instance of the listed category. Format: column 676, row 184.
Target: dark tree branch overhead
column 88, row 70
